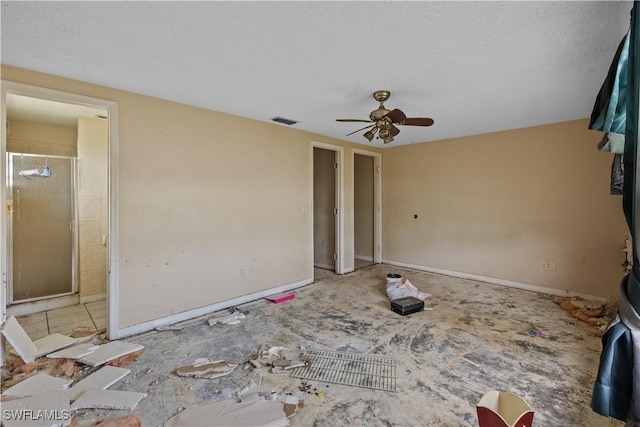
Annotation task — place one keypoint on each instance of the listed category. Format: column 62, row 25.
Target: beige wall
column 40, row 138
column 203, row 194
column 363, row 198
column 497, row 205
column 92, row 205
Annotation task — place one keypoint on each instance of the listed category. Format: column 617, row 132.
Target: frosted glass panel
column 42, row 235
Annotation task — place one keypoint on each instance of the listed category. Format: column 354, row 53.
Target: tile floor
column 90, row 316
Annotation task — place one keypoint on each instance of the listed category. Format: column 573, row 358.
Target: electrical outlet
column 254, row 268
column 544, row 265
column 243, row 271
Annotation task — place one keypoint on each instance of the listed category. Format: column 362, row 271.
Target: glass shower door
column 42, row 226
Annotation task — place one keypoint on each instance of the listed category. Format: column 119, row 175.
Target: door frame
column 377, row 199
column 339, row 203
column 9, row 87
column 74, row 230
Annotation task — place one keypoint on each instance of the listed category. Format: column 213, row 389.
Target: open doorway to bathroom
column 57, row 215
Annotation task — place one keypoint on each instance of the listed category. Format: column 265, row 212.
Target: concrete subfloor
column 474, row 340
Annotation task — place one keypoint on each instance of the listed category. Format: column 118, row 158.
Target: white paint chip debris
column 110, row 351
column 37, row 384
column 74, row 352
column 108, row 399
column 103, row 378
column 30, row 350
column 54, row 404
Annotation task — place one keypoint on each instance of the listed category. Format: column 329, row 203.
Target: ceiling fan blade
column 396, row 116
column 417, row 121
column 353, row 120
column 393, row 130
column 355, row 131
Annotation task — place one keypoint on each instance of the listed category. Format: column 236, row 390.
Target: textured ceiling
column 474, row 67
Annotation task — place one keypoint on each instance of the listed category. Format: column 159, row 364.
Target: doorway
column 366, row 208
column 42, row 130
column 327, row 212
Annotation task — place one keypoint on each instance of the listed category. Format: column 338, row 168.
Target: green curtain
column 617, row 388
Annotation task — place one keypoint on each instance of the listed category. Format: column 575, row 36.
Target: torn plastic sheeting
column 256, row 408
column 403, row 289
column 204, row 368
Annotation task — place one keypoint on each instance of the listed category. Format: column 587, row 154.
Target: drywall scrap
column 232, row 319
column 204, row 368
column 41, row 410
column 108, row 399
column 256, row 408
column 37, row 384
column 103, row 378
column 278, row 360
column 74, row 352
column 110, row 351
column 30, row 350
column 63, row 357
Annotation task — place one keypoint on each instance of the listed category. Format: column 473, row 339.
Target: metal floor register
column 360, row 370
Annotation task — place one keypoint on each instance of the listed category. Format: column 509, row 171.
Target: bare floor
column 474, row 340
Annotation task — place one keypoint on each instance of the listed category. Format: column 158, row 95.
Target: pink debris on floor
column 281, row 297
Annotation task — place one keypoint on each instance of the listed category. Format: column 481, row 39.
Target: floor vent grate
column 360, row 370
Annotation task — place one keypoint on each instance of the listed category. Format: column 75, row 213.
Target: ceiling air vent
column 284, row 121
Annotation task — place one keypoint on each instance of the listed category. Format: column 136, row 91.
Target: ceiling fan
column 384, row 120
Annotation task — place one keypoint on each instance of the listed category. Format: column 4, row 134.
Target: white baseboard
column 364, row 257
column 324, row 266
column 93, row 298
column 494, row 281
column 191, row 314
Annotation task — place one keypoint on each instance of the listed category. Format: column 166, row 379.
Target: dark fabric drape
column 617, row 389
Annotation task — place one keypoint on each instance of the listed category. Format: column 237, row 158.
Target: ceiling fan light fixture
column 385, row 121
column 369, row 135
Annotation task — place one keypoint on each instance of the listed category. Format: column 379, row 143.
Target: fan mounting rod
column 381, row 112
